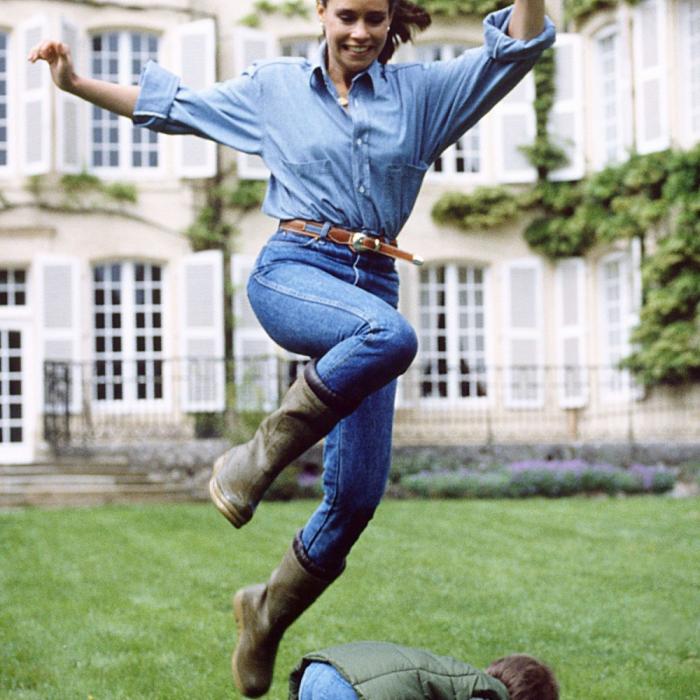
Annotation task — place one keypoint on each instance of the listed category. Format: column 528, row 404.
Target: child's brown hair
column 525, row 677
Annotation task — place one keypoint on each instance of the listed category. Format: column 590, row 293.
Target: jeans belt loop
column 325, row 230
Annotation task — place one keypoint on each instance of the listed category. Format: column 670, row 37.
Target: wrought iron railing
column 91, row 403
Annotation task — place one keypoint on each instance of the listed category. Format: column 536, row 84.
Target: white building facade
column 512, row 347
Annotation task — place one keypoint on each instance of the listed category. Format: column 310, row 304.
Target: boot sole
column 237, row 516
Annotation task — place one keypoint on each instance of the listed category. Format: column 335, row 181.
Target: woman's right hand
column 57, row 55
column 116, row 98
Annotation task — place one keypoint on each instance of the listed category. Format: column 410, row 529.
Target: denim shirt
column 361, row 167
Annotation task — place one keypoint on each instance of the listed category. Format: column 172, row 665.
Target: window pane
column 149, row 334
column 107, row 329
column 13, row 287
column 607, row 49
column 144, row 144
column 105, row 134
column 11, row 386
column 109, row 63
column 452, row 333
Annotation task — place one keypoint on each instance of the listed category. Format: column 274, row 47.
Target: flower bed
column 539, row 478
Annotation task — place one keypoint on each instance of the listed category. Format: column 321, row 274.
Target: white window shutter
column 70, row 110
column 202, row 331
column 688, row 29
column 651, row 76
column 255, row 355
column 195, row 63
column 58, row 298
column 251, row 45
column 566, row 118
column 35, row 102
column 570, row 302
column 515, row 126
column 11, row 120
column 523, row 333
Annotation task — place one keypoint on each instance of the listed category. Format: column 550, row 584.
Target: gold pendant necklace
column 343, row 101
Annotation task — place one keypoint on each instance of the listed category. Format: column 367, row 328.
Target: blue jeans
column 323, row 300
column 322, row 682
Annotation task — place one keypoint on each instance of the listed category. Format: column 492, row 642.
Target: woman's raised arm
column 119, row 99
column 527, row 20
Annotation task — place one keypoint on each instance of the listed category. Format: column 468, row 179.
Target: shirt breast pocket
column 404, row 181
column 310, row 180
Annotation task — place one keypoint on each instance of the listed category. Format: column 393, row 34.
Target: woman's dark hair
column 408, row 18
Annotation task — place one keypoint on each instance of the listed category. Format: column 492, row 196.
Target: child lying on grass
column 383, row 671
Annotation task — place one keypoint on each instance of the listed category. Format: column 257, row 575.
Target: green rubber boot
column 242, row 475
column 263, row 612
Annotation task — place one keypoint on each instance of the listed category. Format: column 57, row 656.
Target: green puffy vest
column 383, row 671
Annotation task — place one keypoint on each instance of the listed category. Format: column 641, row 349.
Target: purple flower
column 648, row 475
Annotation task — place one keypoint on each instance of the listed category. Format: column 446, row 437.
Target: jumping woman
column 348, row 139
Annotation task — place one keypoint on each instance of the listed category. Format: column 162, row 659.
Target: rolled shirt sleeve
column 461, row 91
column 228, row 112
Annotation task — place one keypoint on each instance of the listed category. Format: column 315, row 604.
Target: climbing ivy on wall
column 543, row 154
column 288, row 8
column 668, row 334
column 576, row 10
column 620, row 201
column 579, row 10
column 437, row 8
column 212, row 229
column 485, row 208
column 653, row 198
column 462, row 8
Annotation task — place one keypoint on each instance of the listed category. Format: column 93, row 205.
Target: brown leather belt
column 356, row 240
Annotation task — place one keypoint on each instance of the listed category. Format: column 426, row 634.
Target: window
column 128, row 331
column 465, row 155
column 452, row 332
column 10, row 386
column 690, row 66
column 618, row 310
column 119, row 57
column 612, row 144
column 13, row 287
column 4, row 139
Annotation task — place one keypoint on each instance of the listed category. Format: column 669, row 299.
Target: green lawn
column 134, row 602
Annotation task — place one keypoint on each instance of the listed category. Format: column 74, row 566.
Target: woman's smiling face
column 356, row 31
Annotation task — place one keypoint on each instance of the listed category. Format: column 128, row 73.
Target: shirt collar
column 319, row 72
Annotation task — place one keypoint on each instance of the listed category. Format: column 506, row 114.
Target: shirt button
column 359, row 142
column 361, row 189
